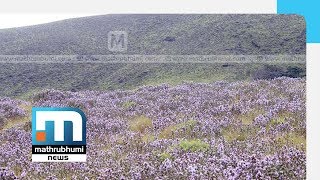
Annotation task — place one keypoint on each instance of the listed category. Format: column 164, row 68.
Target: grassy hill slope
column 147, row 34
column 162, row 34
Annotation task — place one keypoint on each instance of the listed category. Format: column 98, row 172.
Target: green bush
column 194, row 145
column 163, row 156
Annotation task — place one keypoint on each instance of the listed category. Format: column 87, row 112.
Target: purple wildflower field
column 222, row 130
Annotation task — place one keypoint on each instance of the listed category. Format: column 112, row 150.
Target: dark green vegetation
column 25, row 79
column 149, row 34
column 162, row 34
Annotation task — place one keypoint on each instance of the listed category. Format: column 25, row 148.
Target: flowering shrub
column 239, row 130
column 10, row 108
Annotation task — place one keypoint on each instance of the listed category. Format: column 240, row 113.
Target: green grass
column 248, row 118
column 114, row 76
column 165, row 155
column 291, row 140
column 140, row 124
column 15, row 121
column 238, row 133
column 128, row 104
column 168, row 132
column 148, row 138
column 194, row 145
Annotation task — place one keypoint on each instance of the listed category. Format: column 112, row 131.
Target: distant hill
column 149, row 34
column 161, row 34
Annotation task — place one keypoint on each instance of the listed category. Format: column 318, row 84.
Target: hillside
column 240, row 130
column 224, row 120
column 148, row 34
column 161, row 34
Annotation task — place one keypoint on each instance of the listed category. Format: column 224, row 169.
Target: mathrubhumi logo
column 58, row 134
column 58, row 149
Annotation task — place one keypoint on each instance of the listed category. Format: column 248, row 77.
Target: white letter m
column 59, row 117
